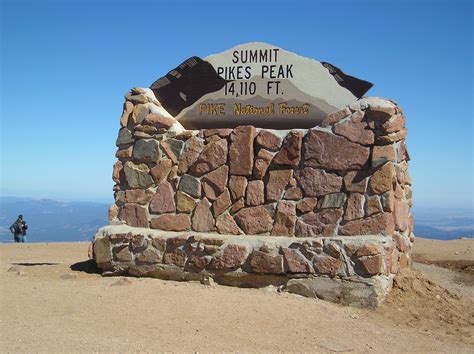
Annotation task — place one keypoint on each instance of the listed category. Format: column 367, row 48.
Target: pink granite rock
column 268, row 140
column 226, row 225
column 192, row 150
column 381, row 180
column 285, row 219
column 356, row 181
column 379, row 224
column 262, row 263
column 306, row 205
column 237, row 186
column 222, row 203
column 325, row 265
column 316, row 224
column 355, row 131
column 232, row 257
column 277, row 182
column 213, row 156
column 290, row 151
column 255, row 193
column 241, row 151
column 382, row 154
column 139, row 196
column 171, row 222
column 254, row 220
column 202, row 217
column 370, row 265
column 163, row 200
column 118, row 168
column 335, row 117
column 134, row 215
column 161, row 170
column 295, row 261
column 127, row 110
column 262, row 161
column 214, row 183
column 317, row 182
column 401, row 215
column 355, row 207
column 373, row 205
column 158, row 121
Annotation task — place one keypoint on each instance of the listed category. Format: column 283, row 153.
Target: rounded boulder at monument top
column 305, row 186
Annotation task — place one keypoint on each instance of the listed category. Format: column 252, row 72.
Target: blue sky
column 67, row 64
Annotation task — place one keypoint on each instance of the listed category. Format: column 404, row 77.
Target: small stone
column 158, row 120
column 277, row 182
column 355, row 131
column 255, row 193
column 381, row 180
column 124, row 153
column 226, row 225
column 296, row 262
column 222, row 203
column 239, row 204
column 285, row 219
column 202, row 217
column 401, row 215
column 378, row 224
column 316, row 224
column 306, row 205
column 146, row 150
column 163, row 200
column 127, row 110
column 241, row 151
column 231, row 257
column 370, row 265
column 377, row 104
column 161, row 170
column 323, row 149
column 373, row 205
column 214, row 183
column 150, row 255
column 122, row 254
column 185, row 135
column 237, row 186
column 134, row 215
column 325, row 265
column 190, row 185
column 254, row 220
column 332, row 249
column 184, row 202
column 125, row 137
column 113, row 212
column 268, row 140
column 140, row 111
column 192, row 150
column 293, row 193
column 172, row 148
column 139, row 196
column 356, row 181
column 394, row 124
column 290, row 152
column 388, row 201
column 223, row 133
column 335, row 200
column 171, row 222
column 117, row 170
column 317, row 182
column 392, row 137
column 355, row 207
column 335, row 117
column 382, row 154
column 402, row 152
column 213, row 156
column 175, row 256
column 262, row 161
column 263, row 263
column 197, row 262
column 137, row 175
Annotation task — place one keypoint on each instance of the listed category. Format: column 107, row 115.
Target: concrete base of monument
column 353, row 270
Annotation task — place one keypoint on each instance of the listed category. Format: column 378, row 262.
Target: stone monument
column 259, row 167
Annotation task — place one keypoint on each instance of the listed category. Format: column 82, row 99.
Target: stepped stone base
column 351, row 270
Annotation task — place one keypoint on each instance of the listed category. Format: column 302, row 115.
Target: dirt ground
column 46, row 306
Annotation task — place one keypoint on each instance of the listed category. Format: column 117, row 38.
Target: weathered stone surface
column 127, row 110
column 277, row 182
column 176, row 256
column 122, row 254
column 171, row 222
column 192, row 150
column 239, row 204
column 290, row 152
column 124, row 137
column 377, row 104
column 335, row 117
column 137, row 175
column 102, row 251
column 223, row 133
column 231, row 257
column 285, row 219
column 357, row 131
column 401, row 215
column 112, row 213
column 150, row 255
column 139, row 196
column 255, row 193
column 325, row 265
column 184, row 202
column 356, row 181
column 226, row 224
column 381, row 180
column 263, row 263
column 237, row 186
column 146, row 150
column 158, row 121
column 241, row 151
column 163, row 200
column 197, row 262
column 140, row 111
column 373, row 205
column 382, row 154
column 332, row 249
column 202, row 217
column 402, row 152
column 403, row 243
column 134, row 215
column 254, row 220
column 117, row 169
column 354, row 207
column 268, row 140
column 295, row 262
column 388, row 201
column 262, row 161
column 148, row 129
column 172, row 148
column 392, row 137
column 214, row 183
column 323, row 149
column 379, row 224
column 316, row 182
column 161, row 170
column 334, row 200
column 222, row 203
column 190, row 185
column 306, row 205
column 293, row 193
column 398, row 192
column 124, row 153
column 213, row 156
column 394, row 124
column 317, row 224
column 370, row 265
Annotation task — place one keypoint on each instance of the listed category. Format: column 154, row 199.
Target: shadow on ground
column 88, row 266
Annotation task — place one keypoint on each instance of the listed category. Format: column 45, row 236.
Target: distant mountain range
column 56, row 221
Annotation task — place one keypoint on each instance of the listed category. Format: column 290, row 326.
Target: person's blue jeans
column 20, row 238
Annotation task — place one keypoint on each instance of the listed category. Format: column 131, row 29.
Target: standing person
column 18, row 229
